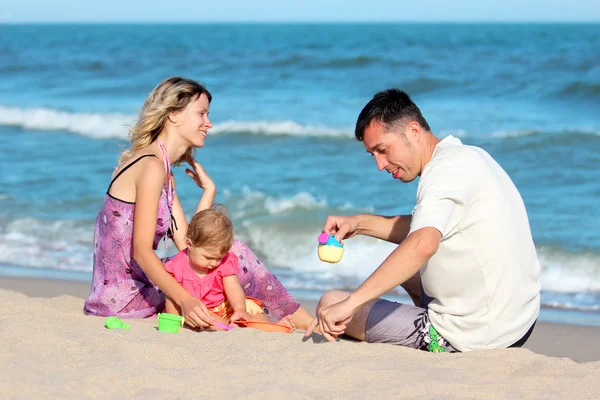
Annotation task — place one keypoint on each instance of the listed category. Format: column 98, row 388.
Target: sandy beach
column 52, row 350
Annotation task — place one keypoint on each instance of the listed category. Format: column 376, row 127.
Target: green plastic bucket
column 169, row 322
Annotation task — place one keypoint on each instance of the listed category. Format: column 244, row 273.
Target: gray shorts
column 405, row 325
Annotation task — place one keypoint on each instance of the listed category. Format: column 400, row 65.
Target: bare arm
column 181, row 225
column 234, row 293
column 171, row 308
column 149, row 185
column 201, row 178
column 207, row 200
column 393, row 229
column 403, row 263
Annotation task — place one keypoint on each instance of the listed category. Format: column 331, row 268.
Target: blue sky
column 297, row 10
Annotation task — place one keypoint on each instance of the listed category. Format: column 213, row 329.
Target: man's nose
column 381, row 162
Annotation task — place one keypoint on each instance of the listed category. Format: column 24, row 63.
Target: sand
column 50, row 349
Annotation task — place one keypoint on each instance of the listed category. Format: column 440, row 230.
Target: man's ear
column 414, row 130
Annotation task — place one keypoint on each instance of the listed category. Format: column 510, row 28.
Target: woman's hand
column 195, row 313
column 199, row 175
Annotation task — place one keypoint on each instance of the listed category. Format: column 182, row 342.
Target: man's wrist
column 354, row 300
column 360, row 223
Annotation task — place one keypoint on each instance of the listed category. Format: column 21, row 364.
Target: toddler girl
column 207, row 270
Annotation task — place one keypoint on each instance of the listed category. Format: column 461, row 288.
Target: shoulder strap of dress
column 125, row 169
column 167, row 164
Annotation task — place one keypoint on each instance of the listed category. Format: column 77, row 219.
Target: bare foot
column 287, row 321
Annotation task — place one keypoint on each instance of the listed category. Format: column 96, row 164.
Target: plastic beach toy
column 329, row 249
column 265, row 326
column 222, row 326
column 115, row 323
column 169, row 322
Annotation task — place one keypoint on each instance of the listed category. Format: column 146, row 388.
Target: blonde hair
column 171, row 95
column 210, row 228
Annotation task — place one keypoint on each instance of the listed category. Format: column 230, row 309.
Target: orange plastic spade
column 265, row 326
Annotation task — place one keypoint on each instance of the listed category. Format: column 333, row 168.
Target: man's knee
column 332, row 297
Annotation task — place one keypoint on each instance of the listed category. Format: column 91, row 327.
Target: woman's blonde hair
column 171, row 95
column 210, row 228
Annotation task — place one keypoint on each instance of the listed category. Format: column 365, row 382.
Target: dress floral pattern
column 119, row 286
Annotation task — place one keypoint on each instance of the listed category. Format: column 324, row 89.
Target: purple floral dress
column 120, row 287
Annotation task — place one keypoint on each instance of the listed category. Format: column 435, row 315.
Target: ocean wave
column 350, row 62
column 581, row 88
column 570, row 306
column 250, row 202
column 36, row 243
column 567, row 272
column 115, row 125
column 94, row 125
column 426, row 85
column 566, row 133
column 287, row 128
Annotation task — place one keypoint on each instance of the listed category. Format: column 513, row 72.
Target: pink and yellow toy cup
column 329, row 249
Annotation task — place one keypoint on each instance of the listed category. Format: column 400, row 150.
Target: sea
column 282, row 150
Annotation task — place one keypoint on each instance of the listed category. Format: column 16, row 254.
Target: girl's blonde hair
column 171, row 95
column 210, row 228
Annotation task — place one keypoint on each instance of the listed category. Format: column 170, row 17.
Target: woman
column 141, row 207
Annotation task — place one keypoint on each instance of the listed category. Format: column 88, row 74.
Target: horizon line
column 57, row 22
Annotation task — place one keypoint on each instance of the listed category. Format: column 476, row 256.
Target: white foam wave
column 569, row 273
column 250, row 202
column 62, row 245
column 571, row 306
column 94, row 125
column 502, row 134
column 289, row 128
column 115, row 125
column 46, row 244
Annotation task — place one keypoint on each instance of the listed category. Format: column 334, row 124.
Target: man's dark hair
column 389, row 107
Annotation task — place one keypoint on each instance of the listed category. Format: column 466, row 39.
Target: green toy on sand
column 115, row 323
column 169, row 322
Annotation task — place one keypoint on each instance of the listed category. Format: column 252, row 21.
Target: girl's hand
column 196, row 313
column 239, row 314
column 199, row 175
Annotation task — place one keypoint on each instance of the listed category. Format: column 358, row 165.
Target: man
column 465, row 255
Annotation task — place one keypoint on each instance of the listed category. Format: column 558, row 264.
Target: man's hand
column 342, row 227
column 332, row 320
